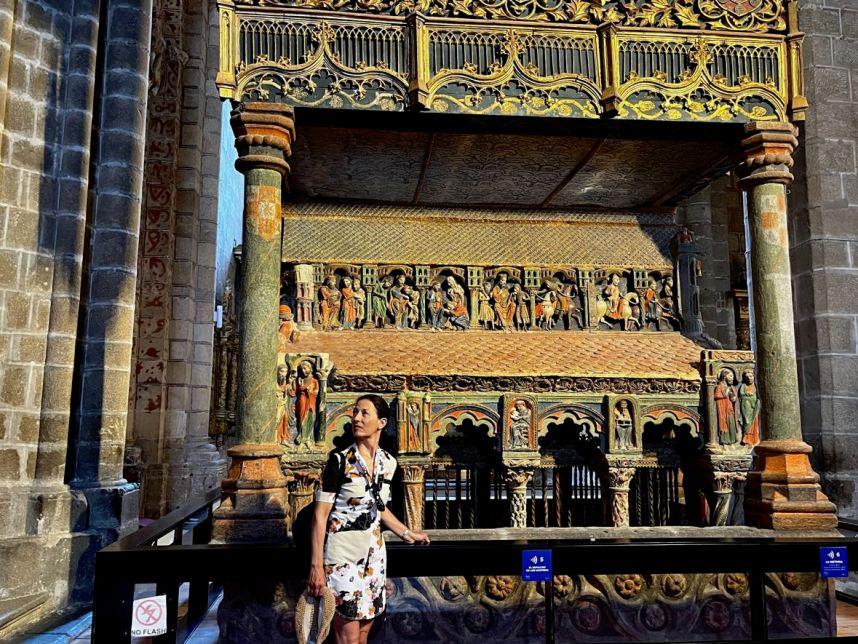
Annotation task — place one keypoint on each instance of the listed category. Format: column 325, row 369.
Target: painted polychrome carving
column 302, row 382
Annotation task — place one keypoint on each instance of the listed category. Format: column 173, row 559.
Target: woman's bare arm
column 389, row 521
column 316, row 583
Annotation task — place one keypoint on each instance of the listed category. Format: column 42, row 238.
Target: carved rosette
column 413, row 477
column 619, row 480
column 516, row 480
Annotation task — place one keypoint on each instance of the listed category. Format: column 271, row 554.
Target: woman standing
column 347, row 549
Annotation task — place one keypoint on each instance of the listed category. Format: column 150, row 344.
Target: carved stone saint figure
column 329, row 304
column 485, row 313
column 749, row 410
column 435, row 307
column 651, row 305
column 287, row 332
column 521, row 300
column 725, row 407
column 503, row 303
column 519, row 427
column 666, row 298
column 360, row 304
column 413, row 410
column 624, row 425
column 399, row 302
column 379, row 301
column 456, row 307
column 284, row 411
column 413, row 306
column 305, row 390
column 348, row 307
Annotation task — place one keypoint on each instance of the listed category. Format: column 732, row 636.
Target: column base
column 256, row 508
column 783, row 491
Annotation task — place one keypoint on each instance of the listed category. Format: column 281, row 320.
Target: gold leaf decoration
column 762, row 16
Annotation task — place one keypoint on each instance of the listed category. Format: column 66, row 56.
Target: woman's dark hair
column 382, row 409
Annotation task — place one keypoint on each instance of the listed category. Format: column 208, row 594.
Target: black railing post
column 549, row 610
column 170, row 588
column 198, row 601
column 113, row 598
column 759, row 616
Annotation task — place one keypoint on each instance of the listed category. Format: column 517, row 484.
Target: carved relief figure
column 456, row 308
column 305, row 390
column 521, row 300
column 725, row 407
column 413, row 411
column 348, row 307
column 666, row 299
column 413, row 306
column 284, row 407
column 329, row 304
column 503, row 303
column 485, row 313
column 624, row 426
column 749, row 409
column 651, row 305
column 287, row 331
column 519, row 427
column 435, row 307
column 360, row 304
column 567, row 299
column 379, row 301
column 614, row 306
column 399, row 301
column 546, row 306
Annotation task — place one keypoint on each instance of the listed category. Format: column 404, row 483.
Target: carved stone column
column 737, row 516
column 413, row 476
column 302, row 486
column 723, row 488
column 516, row 479
column 619, row 480
column 783, row 490
column 256, row 507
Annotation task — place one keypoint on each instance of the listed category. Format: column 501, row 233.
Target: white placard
column 149, row 616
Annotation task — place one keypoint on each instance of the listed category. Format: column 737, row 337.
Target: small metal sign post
column 536, row 566
column 833, row 561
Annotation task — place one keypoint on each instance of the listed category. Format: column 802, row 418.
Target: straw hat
column 313, row 617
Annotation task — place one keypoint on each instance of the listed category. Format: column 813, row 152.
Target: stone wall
column 824, row 234
column 68, row 206
column 712, row 215
column 168, row 445
column 79, row 98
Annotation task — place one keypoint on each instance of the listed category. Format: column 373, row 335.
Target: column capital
column 264, row 133
column 766, row 155
column 517, row 477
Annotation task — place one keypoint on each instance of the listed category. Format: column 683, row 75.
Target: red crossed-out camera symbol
column 148, row 613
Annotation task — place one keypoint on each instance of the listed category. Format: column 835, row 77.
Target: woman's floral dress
column 355, row 558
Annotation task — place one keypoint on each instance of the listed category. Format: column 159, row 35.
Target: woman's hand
column 316, row 583
column 415, row 537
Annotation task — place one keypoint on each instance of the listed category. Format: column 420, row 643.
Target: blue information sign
column 536, row 565
column 833, row 561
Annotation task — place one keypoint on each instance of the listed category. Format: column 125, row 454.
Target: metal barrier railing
column 137, row 560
